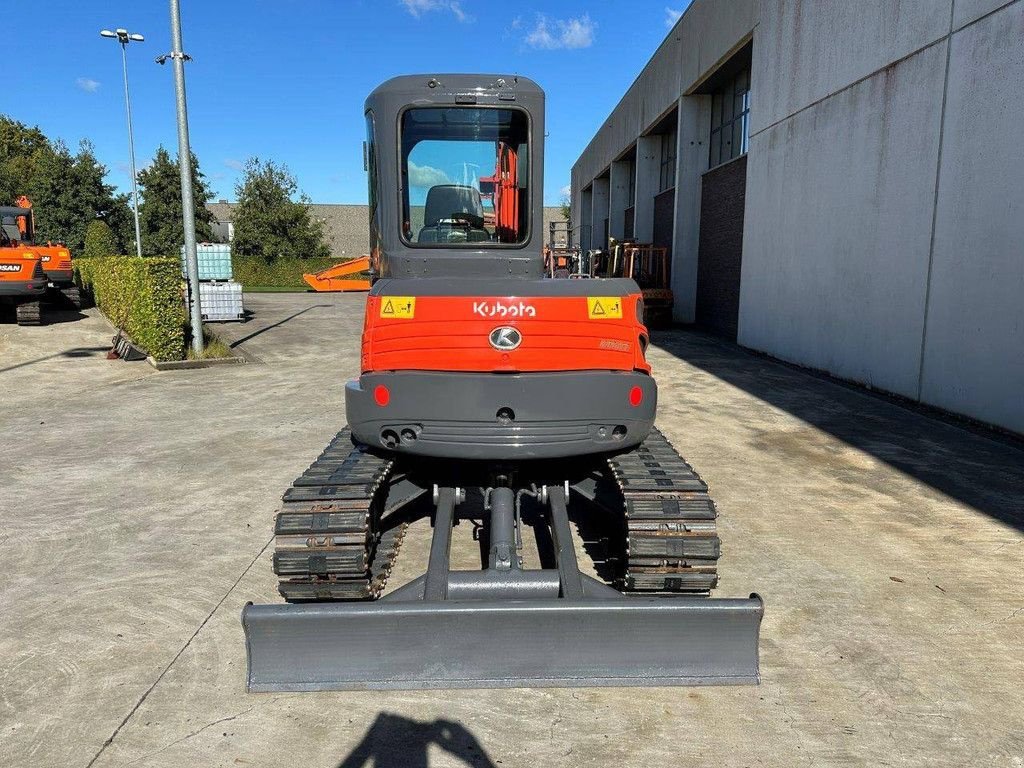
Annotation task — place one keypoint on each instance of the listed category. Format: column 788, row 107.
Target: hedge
column 256, row 272
column 142, row 296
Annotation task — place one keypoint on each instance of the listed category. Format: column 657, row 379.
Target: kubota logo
column 494, row 309
column 505, row 338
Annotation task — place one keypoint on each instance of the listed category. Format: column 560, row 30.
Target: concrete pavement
column 136, row 512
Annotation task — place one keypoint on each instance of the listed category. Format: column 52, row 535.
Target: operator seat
column 446, row 201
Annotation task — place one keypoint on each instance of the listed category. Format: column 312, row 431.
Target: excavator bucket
column 340, row 276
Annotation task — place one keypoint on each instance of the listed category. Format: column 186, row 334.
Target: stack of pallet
column 220, row 298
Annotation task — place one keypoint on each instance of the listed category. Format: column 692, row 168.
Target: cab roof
column 435, row 84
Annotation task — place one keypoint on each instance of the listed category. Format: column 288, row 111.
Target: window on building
column 667, row 179
column 730, row 119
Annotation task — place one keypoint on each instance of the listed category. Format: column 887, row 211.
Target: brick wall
column 720, row 252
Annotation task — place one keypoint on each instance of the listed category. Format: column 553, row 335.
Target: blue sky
column 287, row 80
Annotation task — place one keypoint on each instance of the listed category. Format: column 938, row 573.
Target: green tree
column 19, row 144
column 160, row 216
column 566, row 206
column 122, row 224
column 272, row 219
column 67, row 191
column 99, row 240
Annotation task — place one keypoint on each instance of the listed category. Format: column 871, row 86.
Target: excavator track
column 328, row 542
column 671, row 538
column 30, row 313
column 73, row 295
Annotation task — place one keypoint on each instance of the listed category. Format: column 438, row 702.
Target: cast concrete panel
column 618, row 197
column 692, row 160
column 974, row 340
column 838, row 225
column 966, row 11
column 809, row 49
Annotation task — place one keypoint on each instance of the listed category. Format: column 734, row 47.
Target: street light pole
column 188, row 209
column 124, row 37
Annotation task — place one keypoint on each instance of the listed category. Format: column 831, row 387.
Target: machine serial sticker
column 604, row 307
column 398, row 307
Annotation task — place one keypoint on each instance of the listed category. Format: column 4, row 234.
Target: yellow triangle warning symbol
column 398, row 307
column 604, row 308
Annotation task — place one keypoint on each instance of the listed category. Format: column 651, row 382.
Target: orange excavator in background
column 55, row 257
column 23, row 282
column 343, row 276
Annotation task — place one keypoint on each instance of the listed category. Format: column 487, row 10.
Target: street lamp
column 124, row 37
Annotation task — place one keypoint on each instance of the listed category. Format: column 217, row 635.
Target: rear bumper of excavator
column 23, row 288
column 506, row 417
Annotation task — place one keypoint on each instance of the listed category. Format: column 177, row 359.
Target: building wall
column 883, row 235
column 885, row 218
column 974, row 323
column 707, row 33
column 838, row 226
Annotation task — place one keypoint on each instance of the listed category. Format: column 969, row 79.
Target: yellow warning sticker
column 604, row 307
column 398, row 307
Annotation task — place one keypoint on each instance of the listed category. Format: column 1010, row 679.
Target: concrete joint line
column 160, row 677
column 935, row 205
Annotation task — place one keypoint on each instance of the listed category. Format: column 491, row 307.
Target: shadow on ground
column 981, row 470
column 254, row 334
column 393, row 741
column 51, row 314
column 68, row 353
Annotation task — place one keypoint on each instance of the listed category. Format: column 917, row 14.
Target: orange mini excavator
column 489, row 393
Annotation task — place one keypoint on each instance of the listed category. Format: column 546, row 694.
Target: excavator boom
column 339, row 277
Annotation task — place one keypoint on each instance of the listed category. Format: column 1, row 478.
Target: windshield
column 9, row 232
column 464, row 176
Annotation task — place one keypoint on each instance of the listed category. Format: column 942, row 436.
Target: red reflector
column 381, row 396
column 636, row 396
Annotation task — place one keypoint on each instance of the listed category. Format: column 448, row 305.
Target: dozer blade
column 503, row 643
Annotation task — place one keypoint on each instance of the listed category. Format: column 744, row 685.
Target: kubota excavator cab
column 468, row 351
column 490, row 394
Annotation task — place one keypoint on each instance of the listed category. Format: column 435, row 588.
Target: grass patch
column 213, row 347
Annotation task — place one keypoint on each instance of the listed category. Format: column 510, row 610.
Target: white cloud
column 551, row 34
column 565, row 191
column 418, row 7
column 672, row 16
column 425, row 176
column 87, row 84
column 234, row 165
